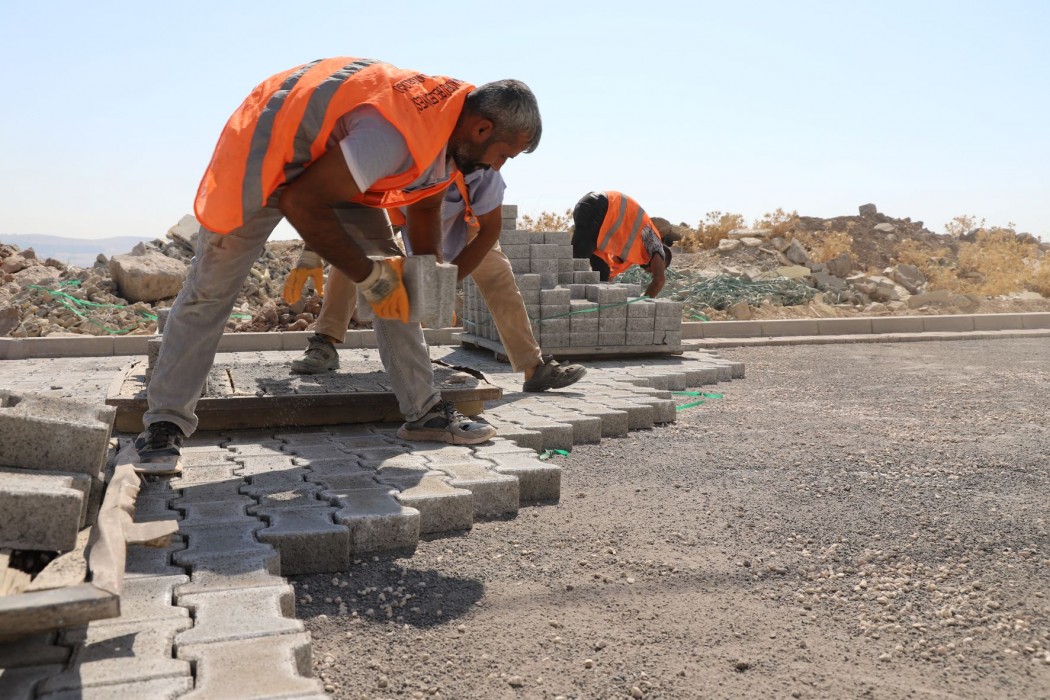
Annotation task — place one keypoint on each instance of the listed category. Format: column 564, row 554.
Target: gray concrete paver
column 280, row 668
column 223, row 616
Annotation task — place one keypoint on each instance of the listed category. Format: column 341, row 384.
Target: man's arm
column 657, row 269
column 308, row 203
column 423, row 223
column 475, row 251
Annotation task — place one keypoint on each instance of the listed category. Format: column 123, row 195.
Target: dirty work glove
column 384, row 289
column 309, row 266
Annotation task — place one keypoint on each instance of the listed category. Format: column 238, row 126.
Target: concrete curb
column 875, row 329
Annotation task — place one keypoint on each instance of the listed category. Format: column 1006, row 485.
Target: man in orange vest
column 614, row 232
column 472, row 221
column 329, row 145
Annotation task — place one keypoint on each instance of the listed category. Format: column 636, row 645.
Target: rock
column 936, row 297
column 741, row 311
column 149, row 276
column 840, row 265
column 778, row 244
column 908, row 276
column 727, row 245
column 884, row 228
column 877, row 287
column 876, row 309
column 868, row 210
column 796, row 253
column 741, row 233
column 828, row 282
column 8, row 320
column 750, row 242
column 14, row 263
column 793, row 272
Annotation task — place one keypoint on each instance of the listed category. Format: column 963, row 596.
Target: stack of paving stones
column 52, row 455
column 570, row 309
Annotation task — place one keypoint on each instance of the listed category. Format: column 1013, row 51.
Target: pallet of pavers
column 572, row 313
column 252, row 390
column 64, row 526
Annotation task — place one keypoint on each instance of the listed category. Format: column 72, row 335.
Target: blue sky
column 929, row 109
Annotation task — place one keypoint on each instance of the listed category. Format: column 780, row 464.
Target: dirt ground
column 849, row 521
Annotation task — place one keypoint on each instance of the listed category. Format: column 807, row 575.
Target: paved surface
column 256, row 506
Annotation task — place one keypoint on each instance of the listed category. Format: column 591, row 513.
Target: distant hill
column 73, row 251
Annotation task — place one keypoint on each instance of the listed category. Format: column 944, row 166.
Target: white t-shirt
column 485, row 189
column 374, row 149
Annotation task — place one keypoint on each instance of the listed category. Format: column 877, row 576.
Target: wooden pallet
column 266, row 395
column 608, row 352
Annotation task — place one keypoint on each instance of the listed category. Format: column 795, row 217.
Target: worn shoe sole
column 444, row 435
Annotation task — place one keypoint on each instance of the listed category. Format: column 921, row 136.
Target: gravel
column 849, row 521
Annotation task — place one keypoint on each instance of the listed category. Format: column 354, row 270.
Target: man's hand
column 309, row 266
column 384, row 289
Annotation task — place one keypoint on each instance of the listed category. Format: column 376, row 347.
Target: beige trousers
column 495, row 281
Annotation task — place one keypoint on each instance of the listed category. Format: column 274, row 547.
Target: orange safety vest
column 620, row 237
column 284, row 124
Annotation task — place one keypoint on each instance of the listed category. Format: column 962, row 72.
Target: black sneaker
column 443, row 423
column 321, row 356
column 159, row 442
column 551, row 375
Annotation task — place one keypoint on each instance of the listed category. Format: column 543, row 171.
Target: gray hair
column 511, row 107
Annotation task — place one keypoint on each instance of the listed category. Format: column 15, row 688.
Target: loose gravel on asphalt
column 861, row 520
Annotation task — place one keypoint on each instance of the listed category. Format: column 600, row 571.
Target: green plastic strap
column 687, row 405
column 547, row 454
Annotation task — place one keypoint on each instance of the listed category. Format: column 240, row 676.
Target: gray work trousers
column 199, row 314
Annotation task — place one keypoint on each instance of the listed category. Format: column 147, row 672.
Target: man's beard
column 466, row 158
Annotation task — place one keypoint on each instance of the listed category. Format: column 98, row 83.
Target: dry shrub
column 715, row 226
column 934, row 263
column 963, row 224
column 1041, row 277
column 995, row 263
column 779, row 221
column 825, row 245
column 546, row 221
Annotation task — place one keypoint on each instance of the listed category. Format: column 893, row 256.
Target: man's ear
column 481, row 130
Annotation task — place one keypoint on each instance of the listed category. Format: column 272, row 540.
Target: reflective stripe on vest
column 624, row 239
column 284, row 126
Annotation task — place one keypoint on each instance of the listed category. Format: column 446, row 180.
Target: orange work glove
column 384, row 289
column 310, row 266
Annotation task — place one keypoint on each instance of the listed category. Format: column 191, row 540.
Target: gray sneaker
column 443, row 423
column 551, row 375
column 320, row 357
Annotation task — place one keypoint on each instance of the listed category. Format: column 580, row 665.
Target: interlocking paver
column 376, row 519
column 120, row 653
column 141, row 560
column 223, row 538
column 280, row 668
column 155, row 689
column 442, row 507
column 537, row 480
column 308, row 540
column 148, row 598
column 495, row 494
column 22, row 683
column 223, row 616
column 224, row 572
column 213, row 512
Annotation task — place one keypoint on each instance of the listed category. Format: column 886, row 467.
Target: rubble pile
column 121, row 295
column 849, row 262
column 796, row 259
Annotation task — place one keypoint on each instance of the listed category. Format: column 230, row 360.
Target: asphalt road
column 848, row 521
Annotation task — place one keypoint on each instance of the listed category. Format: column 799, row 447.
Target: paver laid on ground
column 256, row 506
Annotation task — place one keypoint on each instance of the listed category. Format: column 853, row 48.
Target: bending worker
column 614, row 232
column 472, row 220
column 329, row 145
